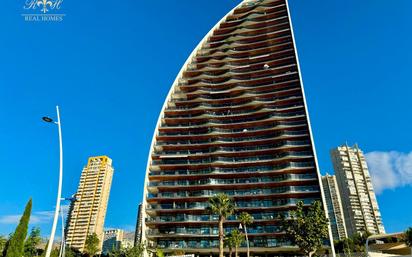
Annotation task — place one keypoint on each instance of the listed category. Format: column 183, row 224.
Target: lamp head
column 47, row 119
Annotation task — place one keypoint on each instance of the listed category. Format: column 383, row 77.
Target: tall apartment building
column 112, row 240
column 138, row 230
column 334, row 207
column 87, row 213
column 361, row 207
column 234, row 122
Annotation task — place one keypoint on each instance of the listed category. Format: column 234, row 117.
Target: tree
column 237, row 239
column 222, row 206
column 135, row 251
column 408, row 237
column 355, row 243
column 72, row 252
column 115, row 252
column 178, row 252
column 229, row 244
column 359, row 241
column 159, row 252
column 246, row 219
column 344, row 246
column 338, row 245
column 3, row 242
column 15, row 245
column 91, row 246
column 54, row 252
column 307, row 227
column 43, row 251
column 30, row 246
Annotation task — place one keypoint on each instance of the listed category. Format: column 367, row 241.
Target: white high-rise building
column 361, row 207
column 235, row 122
column 88, row 212
column 334, row 206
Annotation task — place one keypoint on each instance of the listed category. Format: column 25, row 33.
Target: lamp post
column 247, row 240
column 59, row 190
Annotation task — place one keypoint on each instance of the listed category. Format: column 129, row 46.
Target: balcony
column 208, row 231
column 255, row 192
column 178, row 218
column 235, row 159
column 271, row 131
column 214, row 150
column 256, row 108
column 233, row 181
column 244, row 205
column 219, row 170
column 240, row 102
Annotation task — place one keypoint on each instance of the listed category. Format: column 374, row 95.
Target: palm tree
column 229, row 244
column 221, row 205
column 237, row 239
column 246, row 219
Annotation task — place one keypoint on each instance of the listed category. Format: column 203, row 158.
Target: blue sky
column 110, row 65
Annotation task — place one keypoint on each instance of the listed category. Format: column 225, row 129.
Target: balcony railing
column 238, row 103
column 234, row 113
column 235, row 149
column 254, row 169
column 260, row 216
column 261, row 117
column 232, row 181
column 220, row 159
column 211, row 231
column 207, row 243
column 211, row 130
column 238, row 204
column 248, row 192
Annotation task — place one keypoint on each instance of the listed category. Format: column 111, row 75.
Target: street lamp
column 59, row 190
column 247, row 240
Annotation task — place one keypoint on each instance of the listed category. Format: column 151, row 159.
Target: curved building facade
column 234, row 122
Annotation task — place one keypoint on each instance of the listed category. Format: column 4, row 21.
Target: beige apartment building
column 361, row 207
column 87, row 213
column 334, row 207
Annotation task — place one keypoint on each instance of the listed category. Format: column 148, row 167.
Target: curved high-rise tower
column 234, row 122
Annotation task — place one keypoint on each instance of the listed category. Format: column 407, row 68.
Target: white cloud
column 9, row 219
column 38, row 217
column 389, row 170
column 35, row 218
